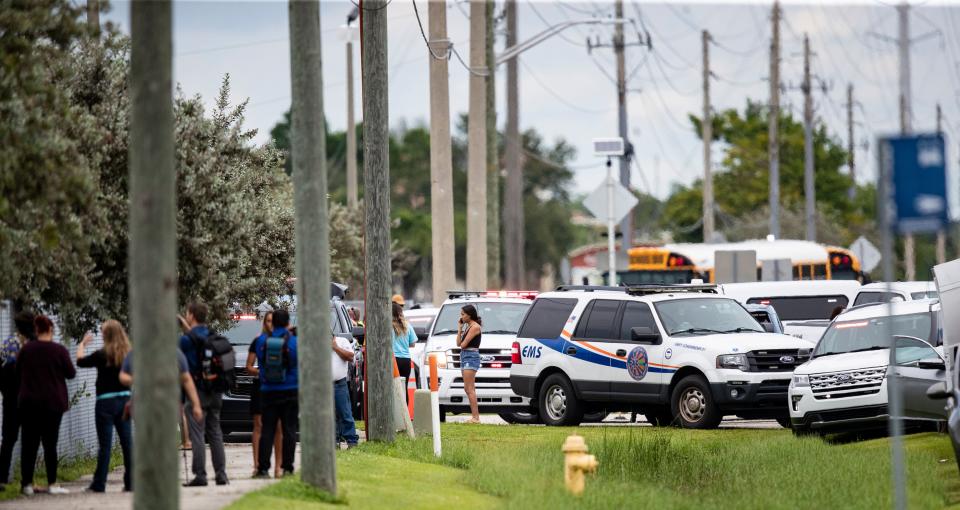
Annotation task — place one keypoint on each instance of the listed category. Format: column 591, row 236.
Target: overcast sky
column 567, row 92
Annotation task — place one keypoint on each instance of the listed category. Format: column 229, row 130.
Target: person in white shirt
column 346, row 428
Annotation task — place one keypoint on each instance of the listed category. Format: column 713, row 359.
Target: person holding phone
column 468, row 339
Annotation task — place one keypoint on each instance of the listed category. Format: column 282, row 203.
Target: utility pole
column 903, row 46
column 942, row 233
column 773, row 123
column 152, row 269
column 93, row 17
column 312, row 251
column 477, row 151
column 351, row 122
column 493, row 163
column 851, row 147
column 706, row 134
column 513, row 213
column 809, row 185
column 626, row 225
column 441, row 159
column 376, row 204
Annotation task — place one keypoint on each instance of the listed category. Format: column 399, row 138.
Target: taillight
column 515, row 354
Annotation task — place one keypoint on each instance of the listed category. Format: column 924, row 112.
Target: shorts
column 469, row 360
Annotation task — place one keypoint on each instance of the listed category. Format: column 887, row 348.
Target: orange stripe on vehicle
column 599, row 350
column 663, row 366
column 566, row 333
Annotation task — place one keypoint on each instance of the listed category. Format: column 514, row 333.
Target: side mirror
column 768, row 327
column 932, row 364
column 644, row 334
column 359, row 333
column 938, row 391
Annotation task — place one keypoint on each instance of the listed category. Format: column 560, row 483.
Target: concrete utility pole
column 152, row 269
column 493, row 163
column 942, row 233
column 93, row 17
column 477, row 151
column 441, row 160
column 851, row 147
column 513, row 214
column 903, row 46
column 626, row 225
column 809, row 184
column 351, row 122
column 706, row 134
column 308, row 153
column 376, row 203
column 774, row 123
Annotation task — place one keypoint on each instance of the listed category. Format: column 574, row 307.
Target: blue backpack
column 276, row 359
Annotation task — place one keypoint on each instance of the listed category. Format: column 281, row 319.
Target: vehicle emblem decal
column 638, row 363
column 842, row 378
column 787, row 359
column 668, row 353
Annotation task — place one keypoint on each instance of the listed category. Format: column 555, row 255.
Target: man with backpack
column 211, row 360
column 277, row 359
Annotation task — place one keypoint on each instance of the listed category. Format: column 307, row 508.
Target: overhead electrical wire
column 451, row 49
column 556, row 95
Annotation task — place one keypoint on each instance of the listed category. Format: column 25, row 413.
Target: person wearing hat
column 398, row 299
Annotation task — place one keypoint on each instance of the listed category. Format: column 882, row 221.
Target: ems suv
column 680, row 355
column 502, row 313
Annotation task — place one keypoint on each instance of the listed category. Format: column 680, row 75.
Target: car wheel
column 659, row 417
column 558, row 403
column 693, row 406
column 595, row 417
column 521, row 418
column 784, row 422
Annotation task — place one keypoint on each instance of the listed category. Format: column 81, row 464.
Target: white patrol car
column 677, row 354
column 844, row 385
column 502, row 313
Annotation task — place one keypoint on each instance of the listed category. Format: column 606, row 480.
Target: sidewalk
column 212, row 497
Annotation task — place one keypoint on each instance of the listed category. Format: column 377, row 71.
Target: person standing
column 256, row 403
column 277, row 360
column 342, row 356
column 10, row 388
column 43, row 368
column 187, row 389
column 404, row 337
column 112, row 398
column 468, row 339
column 211, row 400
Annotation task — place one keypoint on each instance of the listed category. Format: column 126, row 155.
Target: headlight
column 800, row 380
column 736, row 361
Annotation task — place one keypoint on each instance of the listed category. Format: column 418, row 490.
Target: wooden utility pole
column 441, row 159
column 308, row 153
column 626, row 225
column 152, row 270
column 376, row 203
column 352, row 200
column 93, row 17
column 493, row 163
column 809, row 184
column 773, row 123
column 903, row 45
column 706, row 134
column 851, row 147
column 477, row 151
column 942, row 233
column 513, row 214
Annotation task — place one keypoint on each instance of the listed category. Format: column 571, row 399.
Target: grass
column 68, row 470
column 522, row 467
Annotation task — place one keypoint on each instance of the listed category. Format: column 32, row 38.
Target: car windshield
column 705, row 316
column 870, row 334
column 498, row 318
column 244, row 331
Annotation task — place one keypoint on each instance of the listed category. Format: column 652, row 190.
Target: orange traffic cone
column 411, row 388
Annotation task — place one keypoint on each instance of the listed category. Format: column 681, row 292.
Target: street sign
column 608, row 147
column 866, row 253
column 777, row 270
column 623, row 201
column 735, row 266
column 917, row 166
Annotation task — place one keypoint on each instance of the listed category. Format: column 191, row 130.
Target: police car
column 502, row 313
column 679, row 354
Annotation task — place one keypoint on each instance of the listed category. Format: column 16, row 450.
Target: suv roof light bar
column 639, row 290
column 456, row 294
column 590, row 288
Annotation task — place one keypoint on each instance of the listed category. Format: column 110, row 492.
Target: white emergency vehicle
column 882, row 292
column 679, row 354
column 502, row 313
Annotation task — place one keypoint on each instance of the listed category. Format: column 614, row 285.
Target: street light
column 513, row 51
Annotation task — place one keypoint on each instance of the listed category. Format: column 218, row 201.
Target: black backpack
column 217, row 361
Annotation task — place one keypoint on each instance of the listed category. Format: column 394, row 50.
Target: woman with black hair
column 468, row 339
column 10, row 388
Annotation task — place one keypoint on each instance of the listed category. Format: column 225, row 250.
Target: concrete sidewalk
column 211, row 497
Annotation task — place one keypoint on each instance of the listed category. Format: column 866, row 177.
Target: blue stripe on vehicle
column 560, row 345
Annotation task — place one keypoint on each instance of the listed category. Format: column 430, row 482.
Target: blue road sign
column 917, row 165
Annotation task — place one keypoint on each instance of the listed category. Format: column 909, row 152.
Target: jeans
column 207, row 428
column 39, row 425
column 108, row 414
column 11, row 429
column 346, row 428
column 285, row 406
column 469, row 359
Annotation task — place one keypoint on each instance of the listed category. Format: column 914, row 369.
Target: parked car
column 767, row 316
column 882, row 292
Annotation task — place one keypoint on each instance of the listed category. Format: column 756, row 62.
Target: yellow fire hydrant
column 576, row 463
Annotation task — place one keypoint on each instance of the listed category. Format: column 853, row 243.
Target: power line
column 556, row 95
column 450, row 49
column 384, row 6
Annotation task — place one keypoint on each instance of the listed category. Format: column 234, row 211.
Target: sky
column 568, row 92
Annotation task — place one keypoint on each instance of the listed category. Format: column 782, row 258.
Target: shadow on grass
column 294, row 489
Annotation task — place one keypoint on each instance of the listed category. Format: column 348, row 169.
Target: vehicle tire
column 801, row 431
column 692, row 404
column 521, row 418
column 558, row 403
column 443, row 415
column 659, row 416
column 595, row 417
column 784, row 422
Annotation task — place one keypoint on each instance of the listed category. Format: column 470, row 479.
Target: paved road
column 623, row 420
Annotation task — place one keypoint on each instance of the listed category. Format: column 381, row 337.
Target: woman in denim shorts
column 468, row 338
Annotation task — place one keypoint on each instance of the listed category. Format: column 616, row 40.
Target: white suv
column 677, row 354
column 844, row 385
column 502, row 313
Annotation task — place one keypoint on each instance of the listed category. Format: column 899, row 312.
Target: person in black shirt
column 256, row 406
column 10, row 387
column 112, row 398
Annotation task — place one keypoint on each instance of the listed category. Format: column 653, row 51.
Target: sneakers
column 261, row 475
column 93, row 489
column 223, row 481
column 57, row 489
column 287, row 473
column 27, row 490
column 196, row 482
